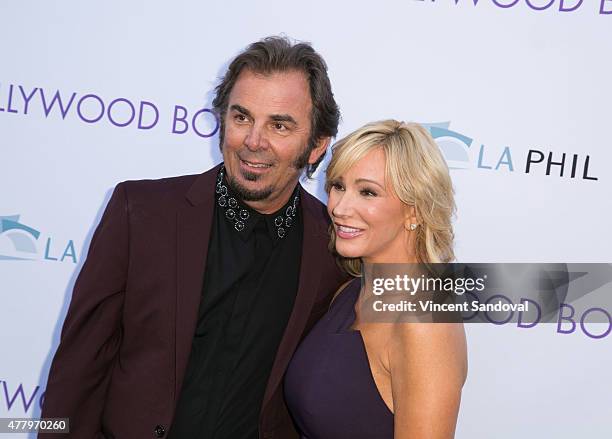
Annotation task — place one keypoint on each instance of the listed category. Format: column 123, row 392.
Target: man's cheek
column 233, row 138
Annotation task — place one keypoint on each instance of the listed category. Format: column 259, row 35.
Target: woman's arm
column 428, row 365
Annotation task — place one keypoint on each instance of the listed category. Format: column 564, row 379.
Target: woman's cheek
column 373, row 215
column 331, row 202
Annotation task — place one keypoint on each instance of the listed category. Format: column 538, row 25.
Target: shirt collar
column 243, row 218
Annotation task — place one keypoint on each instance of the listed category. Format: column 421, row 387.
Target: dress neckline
column 348, row 307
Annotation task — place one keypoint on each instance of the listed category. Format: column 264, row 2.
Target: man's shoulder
column 169, row 189
column 179, row 183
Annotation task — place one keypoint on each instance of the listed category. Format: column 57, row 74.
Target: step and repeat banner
column 517, row 94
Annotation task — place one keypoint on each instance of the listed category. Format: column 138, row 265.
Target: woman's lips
column 346, row 232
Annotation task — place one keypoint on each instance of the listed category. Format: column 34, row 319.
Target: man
column 197, row 289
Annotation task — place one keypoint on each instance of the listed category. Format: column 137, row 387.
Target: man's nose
column 256, row 138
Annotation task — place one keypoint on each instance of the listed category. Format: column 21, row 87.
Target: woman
column 391, row 201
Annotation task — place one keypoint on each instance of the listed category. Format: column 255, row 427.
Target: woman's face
column 370, row 221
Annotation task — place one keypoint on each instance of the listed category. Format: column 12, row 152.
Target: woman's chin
column 348, row 252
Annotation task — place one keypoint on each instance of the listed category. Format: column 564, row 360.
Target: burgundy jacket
column 127, row 336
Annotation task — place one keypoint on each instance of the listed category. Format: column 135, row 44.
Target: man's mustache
column 249, row 156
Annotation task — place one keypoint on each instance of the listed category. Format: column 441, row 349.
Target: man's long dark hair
column 279, row 54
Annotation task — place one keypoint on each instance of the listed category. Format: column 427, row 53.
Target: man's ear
column 319, row 149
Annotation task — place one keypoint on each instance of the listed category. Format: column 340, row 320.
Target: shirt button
column 159, row 431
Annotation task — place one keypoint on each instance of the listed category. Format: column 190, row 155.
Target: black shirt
column 250, row 283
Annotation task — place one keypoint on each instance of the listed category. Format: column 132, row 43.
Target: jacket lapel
column 314, row 244
column 194, row 222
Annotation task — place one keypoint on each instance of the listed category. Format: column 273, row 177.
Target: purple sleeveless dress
column 329, row 387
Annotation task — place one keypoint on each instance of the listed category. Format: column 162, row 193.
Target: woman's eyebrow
column 360, row 180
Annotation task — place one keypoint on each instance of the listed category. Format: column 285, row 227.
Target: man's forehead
column 247, row 72
column 271, row 92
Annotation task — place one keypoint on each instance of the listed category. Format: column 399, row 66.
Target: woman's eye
column 336, row 186
column 368, row 193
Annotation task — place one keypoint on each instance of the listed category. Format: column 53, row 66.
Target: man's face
column 267, row 127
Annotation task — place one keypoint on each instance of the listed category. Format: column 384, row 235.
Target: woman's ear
column 410, row 218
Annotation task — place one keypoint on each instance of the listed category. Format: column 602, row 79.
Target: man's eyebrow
column 283, row 118
column 240, row 109
column 274, row 117
column 359, row 180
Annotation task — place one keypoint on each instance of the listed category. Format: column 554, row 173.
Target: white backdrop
column 500, row 78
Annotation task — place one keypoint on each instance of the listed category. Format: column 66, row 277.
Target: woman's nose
column 342, row 207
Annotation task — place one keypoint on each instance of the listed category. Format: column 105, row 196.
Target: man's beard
column 246, row 194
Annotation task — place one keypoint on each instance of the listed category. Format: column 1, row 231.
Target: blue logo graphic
column 454, row 146
column 459, row 152
column 17, row 241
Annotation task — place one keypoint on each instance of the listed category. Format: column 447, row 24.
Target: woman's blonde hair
column 416, row 172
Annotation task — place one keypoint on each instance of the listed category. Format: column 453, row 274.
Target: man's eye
column 240, row 118
column 279, row 127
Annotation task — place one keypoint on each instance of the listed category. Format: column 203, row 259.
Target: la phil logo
column 20, row 242
column 91, row 108
column 461, row 152
column 605, row 6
